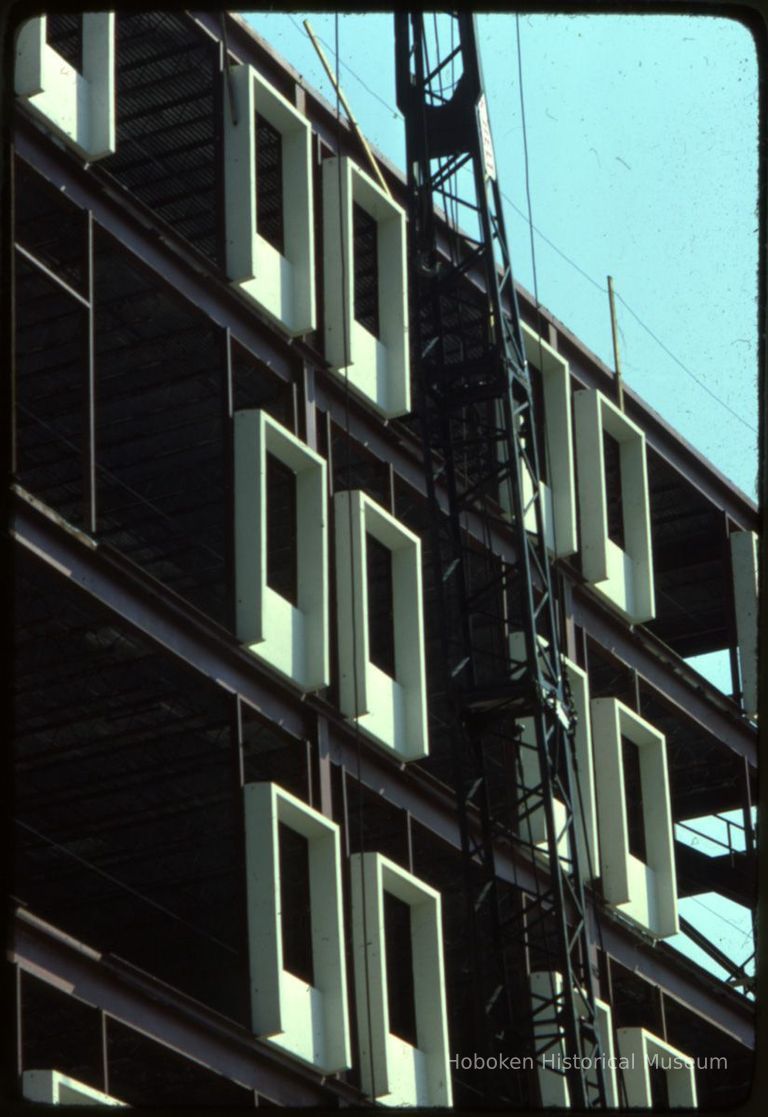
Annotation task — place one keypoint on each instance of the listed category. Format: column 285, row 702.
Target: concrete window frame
column 645, row 892
column 78, row 107
column 310, row 1022
column 639, row 1047
column 744, row 566
column 377, row 369
column 51, row 1087
column 281, row 284
column 546, row 985
column 558, row 495
column 623, row 577
column 586, row 830
column 402, row 1074
column 392, row 711
column 291, row 639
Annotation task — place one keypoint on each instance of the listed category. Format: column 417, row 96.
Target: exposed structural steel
column 500, row 629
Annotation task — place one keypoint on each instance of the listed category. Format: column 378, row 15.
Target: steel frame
column 209, row 648
column 637, row 647
column 177, row 263
column 176, row 626
column 181, row 1023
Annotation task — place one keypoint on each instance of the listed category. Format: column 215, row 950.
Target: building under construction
column 356, row 748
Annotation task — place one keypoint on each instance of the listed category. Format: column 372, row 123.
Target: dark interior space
column 123, row 759
column 169, row 148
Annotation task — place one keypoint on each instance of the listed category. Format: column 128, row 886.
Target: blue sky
column 642, row 139
column 642, row 144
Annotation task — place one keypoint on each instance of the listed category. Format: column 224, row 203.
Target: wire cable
column 126, row 887
column 122, row 484
column 579, row 798
column 685, row 369
column 348, row 451
column 568, row 259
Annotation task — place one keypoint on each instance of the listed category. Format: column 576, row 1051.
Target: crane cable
column 547, row 450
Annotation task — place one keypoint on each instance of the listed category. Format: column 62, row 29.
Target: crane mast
column 502, row 661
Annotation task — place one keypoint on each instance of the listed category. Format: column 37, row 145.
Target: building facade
column 238, row 872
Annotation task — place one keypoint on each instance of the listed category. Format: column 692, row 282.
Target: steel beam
column 152, row 609
column 168, row 254
column 589, row 371
column 178, row 627
column 179, row 266
column 733, row 875
column 167, row 1016
column 173, row 259
column 168, row 621
column 681, row 688
column 678, row 977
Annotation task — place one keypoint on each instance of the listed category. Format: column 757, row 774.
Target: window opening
column 282, row 530
column 269, row 184
column 539, row 411
column 659, row 1090
column 612, row 471
column 295, row 915
column 366, row 262
column 64, row 32
column 381, row 621
column 401, row 1001
column 633, row 796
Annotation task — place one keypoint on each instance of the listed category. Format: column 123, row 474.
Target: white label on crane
column 489, row 159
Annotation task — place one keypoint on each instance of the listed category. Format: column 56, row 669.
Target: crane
column 500, row 640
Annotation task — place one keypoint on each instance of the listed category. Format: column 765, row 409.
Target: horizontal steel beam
column 171, row 257
column 678, row 977
column 153, row 610
column 163, row 1014
column 175, row 626
column 733, row 875
column 168, row 621
column 168, row 254
column 668, row 443
column 680, row 687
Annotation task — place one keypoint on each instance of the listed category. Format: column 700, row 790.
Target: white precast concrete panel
column 545, row 985
column 402, row 1074
column 393, row 711
column 291, row 638
column 640, row 1048
column 745, row 566
column 309, row 1021
column 79, row 107
column 623, row 577
column 647, row 893
column 584, row 797
column 558, row 494
column 377, row 368
column 51, row 1087
column 281, row 283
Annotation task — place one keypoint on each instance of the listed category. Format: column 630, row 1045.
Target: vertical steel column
column 18, row 1021
column 409, row 839
column 89, row 462
column 309, row 396
column 729, row 605
column 104, row 1051
column 325, row 794
column 8, row 219
column 228, row 421
column 238, row 783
